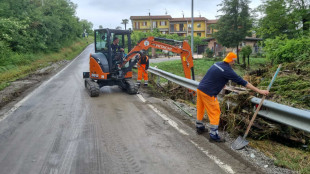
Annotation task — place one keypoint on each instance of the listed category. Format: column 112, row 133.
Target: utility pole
column 192, row 29
column 192, row 38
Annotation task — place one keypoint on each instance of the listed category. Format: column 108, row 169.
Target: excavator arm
column 144, row 44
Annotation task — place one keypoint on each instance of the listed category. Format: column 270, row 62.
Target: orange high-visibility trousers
column 142, row 73
column 211, row 104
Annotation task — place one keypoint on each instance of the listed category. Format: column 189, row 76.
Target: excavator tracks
column 92, row 87
column 131, row 87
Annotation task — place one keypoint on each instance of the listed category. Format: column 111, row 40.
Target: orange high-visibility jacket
column 144, row 61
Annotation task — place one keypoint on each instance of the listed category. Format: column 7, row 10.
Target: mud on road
column 22, row 87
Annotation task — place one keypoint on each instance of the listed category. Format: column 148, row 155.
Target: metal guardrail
column 287, row 115
column 187, row 83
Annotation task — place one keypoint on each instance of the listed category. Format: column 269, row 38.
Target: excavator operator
column 115, row 47
column 117, row 52
column 143, row 65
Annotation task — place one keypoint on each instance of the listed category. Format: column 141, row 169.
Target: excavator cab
column 103, row 47
column 104, row 69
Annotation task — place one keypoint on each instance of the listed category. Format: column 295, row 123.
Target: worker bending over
column 143, row 66
column 208, row 89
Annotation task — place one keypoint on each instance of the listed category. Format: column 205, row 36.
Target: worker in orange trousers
column 143, row 66
column 208, row 89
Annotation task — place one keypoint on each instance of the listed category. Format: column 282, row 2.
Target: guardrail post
column 169, row 85
column 158, row 80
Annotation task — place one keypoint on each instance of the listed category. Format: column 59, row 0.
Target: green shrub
column 281, row 49
column 246, row 50
column 5, row 51
column 209, row 53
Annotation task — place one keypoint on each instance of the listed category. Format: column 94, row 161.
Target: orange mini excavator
column 109, row 67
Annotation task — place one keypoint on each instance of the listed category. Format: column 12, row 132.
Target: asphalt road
column 58, row 128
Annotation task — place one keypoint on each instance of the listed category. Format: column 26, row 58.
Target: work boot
column 214, row 136
column 200, row 127
column 146, row 83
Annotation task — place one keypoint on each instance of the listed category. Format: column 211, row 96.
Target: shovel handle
column 261, row 103
column 274, row 77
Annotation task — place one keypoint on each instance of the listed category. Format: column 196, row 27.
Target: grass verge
column 22, row 65
column 283, row 156
column 201, row 66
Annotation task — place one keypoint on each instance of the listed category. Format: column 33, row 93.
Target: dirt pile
column 21, row 87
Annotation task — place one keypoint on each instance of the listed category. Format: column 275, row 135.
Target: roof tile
column 150, row 17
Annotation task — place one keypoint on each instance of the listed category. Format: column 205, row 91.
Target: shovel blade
column 239, row 143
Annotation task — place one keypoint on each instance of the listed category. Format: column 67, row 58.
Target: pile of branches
column 172, row 90
column 236, row 118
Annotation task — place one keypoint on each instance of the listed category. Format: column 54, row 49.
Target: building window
column 181, row 27
column 209, row 29
column 171, row 27
column 198, row 25
column 144, row 23
column 163, row 23
column 154, row 24
column 137, row 25
column 189, row 26
column 199, row 34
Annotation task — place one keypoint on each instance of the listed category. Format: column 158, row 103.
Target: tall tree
column 125, row 22
column 301, row 12
column 29, row 26
column 284, row 17
column 87, row 26
column 235, row 23
column 275, row 21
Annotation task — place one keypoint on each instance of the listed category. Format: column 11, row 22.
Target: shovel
column 241, row 142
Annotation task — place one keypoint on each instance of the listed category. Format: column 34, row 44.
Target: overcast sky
column 109, row 13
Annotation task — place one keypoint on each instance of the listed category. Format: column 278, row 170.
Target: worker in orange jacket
column 143, row 66
column 208, row 89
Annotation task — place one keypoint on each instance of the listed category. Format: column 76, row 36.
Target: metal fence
column 287, row 115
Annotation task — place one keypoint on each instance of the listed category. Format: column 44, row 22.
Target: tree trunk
column 244, row 61
column 238, row 54
column 248, row 61
column 305, row 23
column 305, row 17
